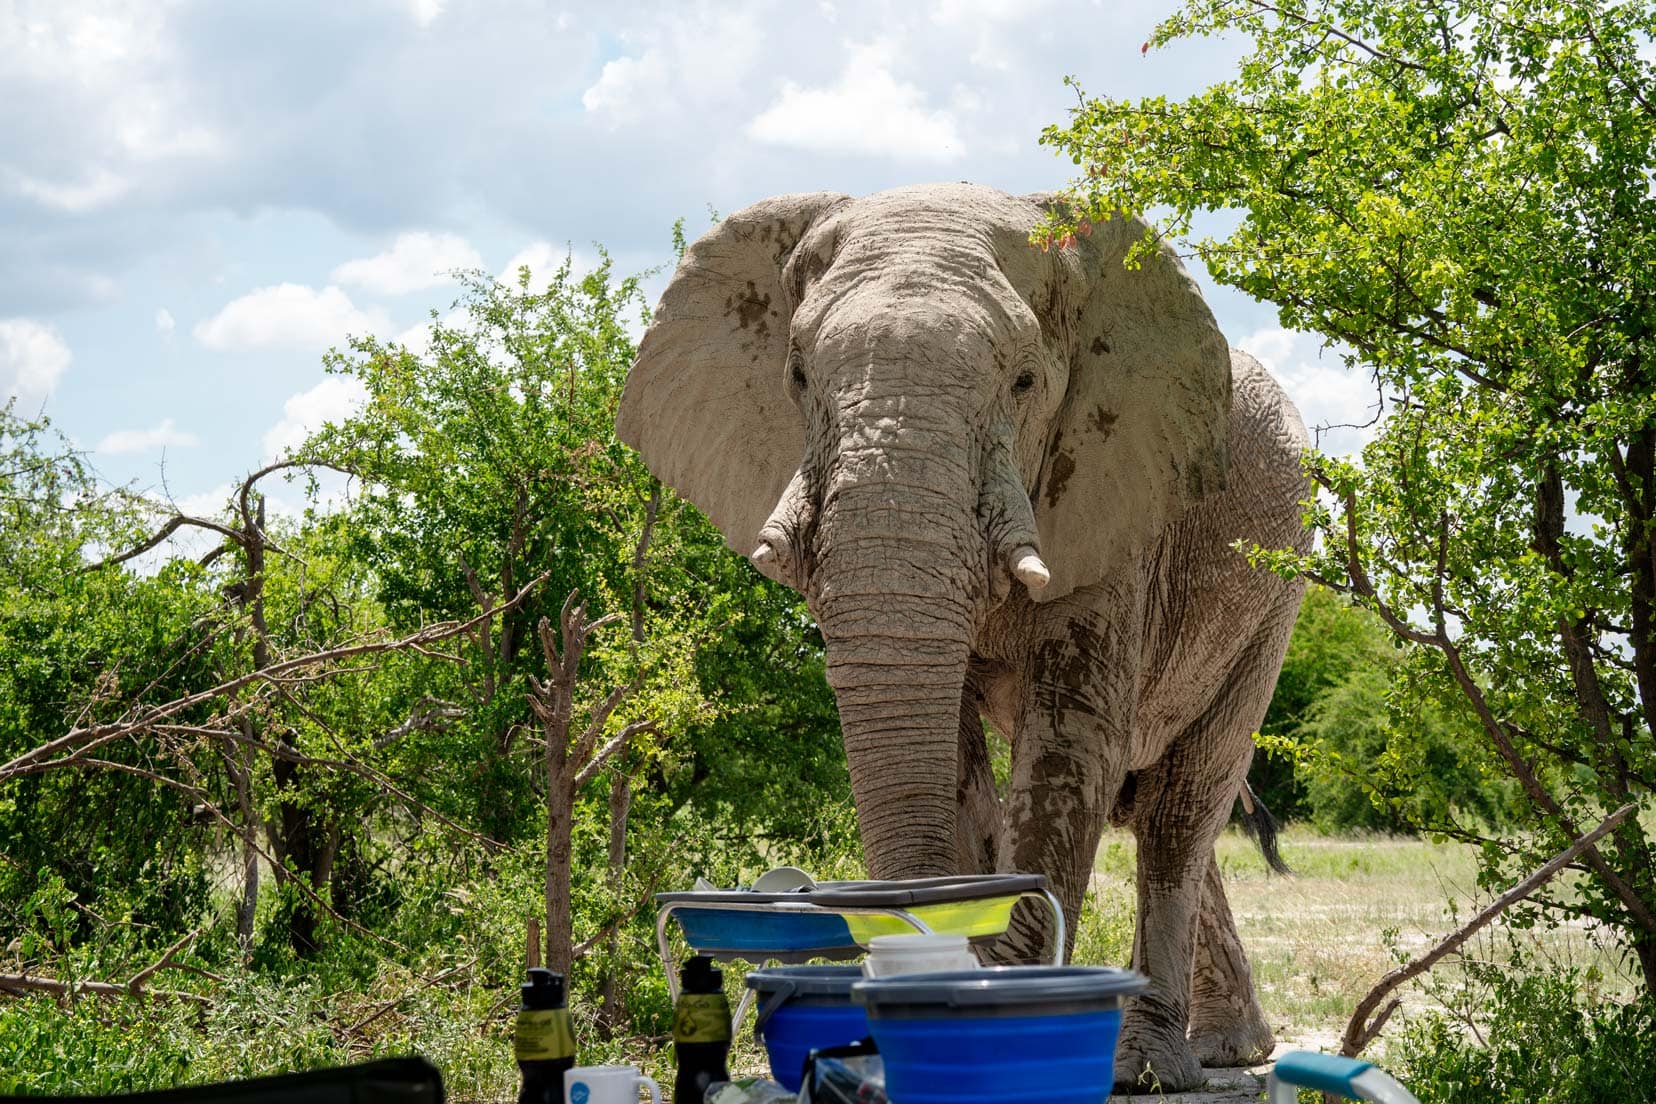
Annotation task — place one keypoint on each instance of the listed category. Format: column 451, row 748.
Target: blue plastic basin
column 1024, row 1034
column 803, row 1008
column 736, row 931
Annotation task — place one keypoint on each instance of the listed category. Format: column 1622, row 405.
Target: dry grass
column 1320, row 939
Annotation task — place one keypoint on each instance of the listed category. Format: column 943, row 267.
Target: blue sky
column 198, row 197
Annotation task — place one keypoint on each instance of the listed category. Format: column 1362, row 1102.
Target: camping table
column 835, row 920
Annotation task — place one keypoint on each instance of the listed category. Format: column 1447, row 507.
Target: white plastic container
column 889, row 955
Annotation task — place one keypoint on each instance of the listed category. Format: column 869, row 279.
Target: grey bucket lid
column 805, row 981
column 999, row 986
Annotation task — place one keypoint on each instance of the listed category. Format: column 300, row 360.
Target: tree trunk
column 560, row 813
column 247, row 908
column 296, row 848
column 620, row 803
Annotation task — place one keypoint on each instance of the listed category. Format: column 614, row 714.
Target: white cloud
column 288, row 315
column 425, row 11
column 1337, row 404
column 116, row 68
column 990, row 25
column 165, row 435
column 207, row 504
column 416, row 339
column 867, row 112
column 417, row 259
column 333, row 400
column 164, row 322
column 32, row 357
column 685, row 58
column 98, row 189
column 627, row 84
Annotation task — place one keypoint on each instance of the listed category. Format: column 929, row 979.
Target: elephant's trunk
column 897, row 583
column 900, row 724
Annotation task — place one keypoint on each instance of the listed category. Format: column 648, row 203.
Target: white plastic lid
column 917, row 943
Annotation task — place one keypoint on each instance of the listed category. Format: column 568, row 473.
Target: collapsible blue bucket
column 1023, row 1034
column 803, row 1008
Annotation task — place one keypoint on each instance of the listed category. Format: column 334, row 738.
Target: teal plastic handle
column 1327, row 1072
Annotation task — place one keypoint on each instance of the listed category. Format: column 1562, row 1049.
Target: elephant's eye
column 1023, row 383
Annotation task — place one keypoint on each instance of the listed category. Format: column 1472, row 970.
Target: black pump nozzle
column 544, row 989
column 699, row 975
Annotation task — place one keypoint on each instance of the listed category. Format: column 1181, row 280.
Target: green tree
column 1348, row 744
column 1332, row 642
column 489, row 460
column 1459, row 194
column 102, row 841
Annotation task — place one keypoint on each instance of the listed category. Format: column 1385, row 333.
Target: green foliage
column 1458, row 194
column 1541, row 1039
column 1333, row 643
column 76, row 646
column 1351, row 746
column 1104, row 937
column 395, row 801
column 129, row 1048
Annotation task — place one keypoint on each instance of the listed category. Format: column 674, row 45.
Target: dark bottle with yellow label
column 701, row 1030
column 544, row 1042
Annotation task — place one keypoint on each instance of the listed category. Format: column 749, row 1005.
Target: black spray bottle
column 701, row 1030
column 544, row 1041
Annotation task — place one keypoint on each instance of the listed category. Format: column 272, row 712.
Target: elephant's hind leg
column 1227, row 1026
column 1175, row 820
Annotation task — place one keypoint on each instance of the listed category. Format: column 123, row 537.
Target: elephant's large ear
column 705, row 402
column 1141, row 434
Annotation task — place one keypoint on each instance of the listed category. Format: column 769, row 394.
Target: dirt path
column 1238, row 1084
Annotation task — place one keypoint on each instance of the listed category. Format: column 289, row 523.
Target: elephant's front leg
column 1070, row 747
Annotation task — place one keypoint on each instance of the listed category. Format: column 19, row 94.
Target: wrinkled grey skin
column 893, row 403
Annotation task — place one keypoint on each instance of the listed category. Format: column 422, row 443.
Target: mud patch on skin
column 750, row 308
column 1102, row 420
column 1100, row 346
column 1070, row 664
column 1063, row 466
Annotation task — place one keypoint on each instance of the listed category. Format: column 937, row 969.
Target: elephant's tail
column 1261, row 827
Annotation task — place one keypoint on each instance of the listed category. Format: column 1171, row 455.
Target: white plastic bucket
column 889, row 955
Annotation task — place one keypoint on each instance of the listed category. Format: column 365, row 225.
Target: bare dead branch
column 33, row 983
column 137, row 981
column 173, row 525
column 425, row 984
column 601, row 715
column 590, row 769
column 81, row 739
column 1362, row 1030
column 430, row 715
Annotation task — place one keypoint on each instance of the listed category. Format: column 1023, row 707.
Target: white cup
column 607, row 1085
column 917, row 954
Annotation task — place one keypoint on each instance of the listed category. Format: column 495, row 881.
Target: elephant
column 1008, row 481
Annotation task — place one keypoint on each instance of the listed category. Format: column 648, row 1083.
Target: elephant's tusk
column 763, row 555
column 1030, row 569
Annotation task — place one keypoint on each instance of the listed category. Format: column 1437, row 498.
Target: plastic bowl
column 1010, row 1034
column 802, row 1008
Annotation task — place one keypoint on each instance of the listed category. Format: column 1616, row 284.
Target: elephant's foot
column 1242, row 1044
column 1155, row 1062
